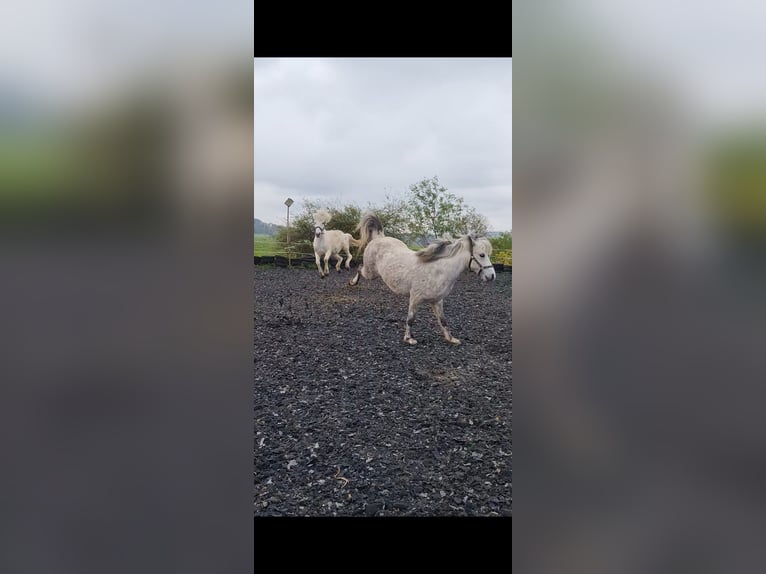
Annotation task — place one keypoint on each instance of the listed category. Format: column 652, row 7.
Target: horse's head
column 321, row 218
column 480, row 249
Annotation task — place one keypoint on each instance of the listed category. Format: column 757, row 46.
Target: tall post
column 288, row 203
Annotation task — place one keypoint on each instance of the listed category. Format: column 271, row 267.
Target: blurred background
column 125, row 220
column 126, row 293
column 640, row 228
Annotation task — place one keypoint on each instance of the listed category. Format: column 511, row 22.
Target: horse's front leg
column 410, row 320
column 327, row 263
column 319, row 264
column 438, row 309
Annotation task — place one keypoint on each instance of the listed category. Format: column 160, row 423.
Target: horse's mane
column 442, row 248
column 439, row 249
column 322, row 216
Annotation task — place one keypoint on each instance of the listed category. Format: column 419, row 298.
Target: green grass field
column 266, row 245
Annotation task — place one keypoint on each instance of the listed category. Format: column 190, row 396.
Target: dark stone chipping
column 352, row 421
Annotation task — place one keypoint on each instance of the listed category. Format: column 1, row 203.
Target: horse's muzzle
column 488, row 274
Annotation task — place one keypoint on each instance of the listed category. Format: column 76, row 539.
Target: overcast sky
column 67, row 52
column 351, row 130
column 711, row 56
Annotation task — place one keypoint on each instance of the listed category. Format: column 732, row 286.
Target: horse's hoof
column 411, row 341
column 454, row 341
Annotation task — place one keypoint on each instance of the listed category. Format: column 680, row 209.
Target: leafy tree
column 395, row 216
column 502, row 241
column 472, row 222
column 345, row 218
column 435, row 212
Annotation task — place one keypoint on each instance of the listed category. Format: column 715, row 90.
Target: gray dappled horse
column 428, row 275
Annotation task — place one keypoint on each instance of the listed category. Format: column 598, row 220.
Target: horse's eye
column 481, row 255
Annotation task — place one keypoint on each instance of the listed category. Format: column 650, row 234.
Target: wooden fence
column 293, row 259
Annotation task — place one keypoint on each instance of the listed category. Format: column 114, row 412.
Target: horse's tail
column 369, row 228
column 353, row 241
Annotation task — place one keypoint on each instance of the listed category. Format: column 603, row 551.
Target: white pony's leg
column 362, row 271
column 340, row 260
column 348, row 261
column 327, row 262
column 355, row 280
column 319, row 263
column 410, row 320
column 438, row 309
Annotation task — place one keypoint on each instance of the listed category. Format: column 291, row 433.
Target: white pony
column 328, row 243
column 428, row 275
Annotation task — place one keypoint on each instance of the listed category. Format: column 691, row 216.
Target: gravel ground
column 352, row 421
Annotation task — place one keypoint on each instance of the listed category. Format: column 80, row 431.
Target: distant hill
column 263, row 228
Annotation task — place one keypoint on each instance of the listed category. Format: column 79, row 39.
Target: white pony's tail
column 369, row 228
column 353, row 241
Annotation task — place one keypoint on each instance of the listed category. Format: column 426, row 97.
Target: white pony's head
column 481, row 249
column 478, row 248
column 321, row 218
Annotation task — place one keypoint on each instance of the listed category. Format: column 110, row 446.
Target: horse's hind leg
column 340, row 260
column 361, row 271
column 410, row 320
column 365, row 272
column 348, row 261
column 439, row 312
